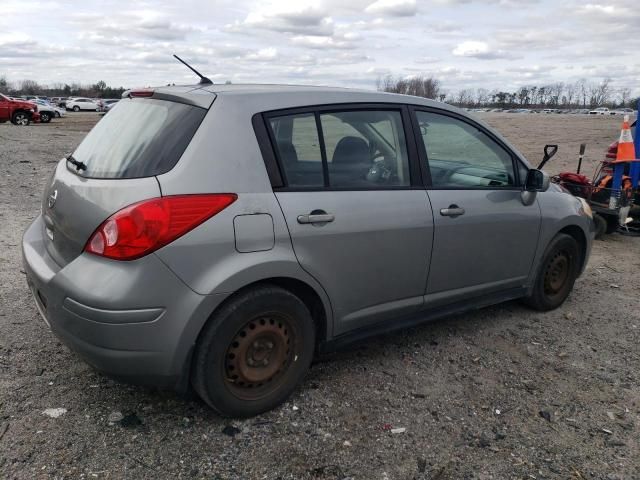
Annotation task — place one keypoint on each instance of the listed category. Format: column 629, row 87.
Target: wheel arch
column 581, row 239
column 317, row 303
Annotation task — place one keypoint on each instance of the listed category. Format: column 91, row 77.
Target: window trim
column 277, row 176
column 424, row 159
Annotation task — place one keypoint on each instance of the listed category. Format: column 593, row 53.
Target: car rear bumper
column 135, row 321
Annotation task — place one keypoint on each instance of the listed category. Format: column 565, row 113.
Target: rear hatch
column 115, row 166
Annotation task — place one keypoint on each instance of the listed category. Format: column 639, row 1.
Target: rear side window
column 360, row 149
column 138, row 138
column 299, row 149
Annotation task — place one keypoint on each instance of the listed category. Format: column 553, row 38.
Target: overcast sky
column 466, row 44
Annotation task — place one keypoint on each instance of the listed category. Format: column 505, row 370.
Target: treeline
column 31, row 87
column 580, row 94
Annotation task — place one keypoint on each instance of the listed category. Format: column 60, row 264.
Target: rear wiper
column 79, row 165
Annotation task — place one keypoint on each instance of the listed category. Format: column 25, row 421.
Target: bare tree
column 29, row 87
column 600, row 93
column 570, row 93
column 581, row 87
column 419, row 86
column 625, row 95
column 482, row 97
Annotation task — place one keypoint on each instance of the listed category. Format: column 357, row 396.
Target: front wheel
column 556, row 274
column 76, row 108
column 253, row 352
column 45, row 117
column 21, row 118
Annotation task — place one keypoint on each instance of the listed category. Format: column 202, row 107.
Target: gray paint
column 386, row 255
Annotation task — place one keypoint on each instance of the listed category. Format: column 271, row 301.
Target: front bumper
column 135, row 321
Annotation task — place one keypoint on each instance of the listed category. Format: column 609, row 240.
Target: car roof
column 265, row 97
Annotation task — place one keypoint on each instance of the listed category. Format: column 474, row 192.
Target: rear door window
column 354, row 149
column 299, row 149
column 139, row 137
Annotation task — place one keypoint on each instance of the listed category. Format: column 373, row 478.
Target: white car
column 48, row 111
column 600, row 111
column 624, row 111
column 77, row 104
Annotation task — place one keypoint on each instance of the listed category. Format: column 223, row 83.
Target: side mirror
column 537, row 181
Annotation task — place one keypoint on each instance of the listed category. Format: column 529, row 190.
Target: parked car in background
column 624, row 111
column 48, row 111
column 600, row 111
column 18, row 112
column 109, row 103
column 59, row 101
column 78, row 104
column 243, row 235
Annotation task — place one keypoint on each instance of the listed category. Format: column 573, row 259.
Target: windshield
column 138, row 138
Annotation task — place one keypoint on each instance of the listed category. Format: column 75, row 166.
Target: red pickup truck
column 19, row 112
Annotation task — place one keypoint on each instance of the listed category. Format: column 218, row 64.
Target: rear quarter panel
column 224, row 157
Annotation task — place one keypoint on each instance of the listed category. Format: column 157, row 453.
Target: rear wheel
column 253, row 352
column 601, row 226
column 557, row 274
column 45, row 117
column 21, row 118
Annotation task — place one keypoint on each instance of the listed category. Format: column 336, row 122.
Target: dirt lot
column 501, row 393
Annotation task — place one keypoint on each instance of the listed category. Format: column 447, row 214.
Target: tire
column 45, row 117
column 57, row 114
column 76, row 108
column 21, row 119
column 613, row 222
column 267, row 324
column 556, row 275
column 601, row 226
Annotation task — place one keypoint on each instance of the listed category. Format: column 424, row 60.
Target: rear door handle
column 316, row 218
column 452, row 211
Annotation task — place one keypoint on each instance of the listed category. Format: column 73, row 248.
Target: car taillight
column 612, row 152
column 146, row 226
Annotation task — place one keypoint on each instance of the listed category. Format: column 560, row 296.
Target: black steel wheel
column 557, row 273
column 601, row 226
column 253, row 352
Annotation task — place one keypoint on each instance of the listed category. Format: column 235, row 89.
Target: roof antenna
column 203, row 80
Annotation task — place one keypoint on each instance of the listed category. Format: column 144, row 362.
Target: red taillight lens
column 144, row 227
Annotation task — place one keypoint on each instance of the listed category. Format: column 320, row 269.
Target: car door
column 4, row 109
column 359, row 221
column 485, row 236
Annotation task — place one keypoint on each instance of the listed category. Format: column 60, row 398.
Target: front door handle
column 316, row 217
column 452, row 211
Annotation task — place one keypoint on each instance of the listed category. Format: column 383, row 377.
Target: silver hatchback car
column 218, row 236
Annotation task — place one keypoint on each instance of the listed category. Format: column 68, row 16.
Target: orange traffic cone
column 626, row 148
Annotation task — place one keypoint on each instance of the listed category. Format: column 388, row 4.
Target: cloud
column 464, row 43
column 263, row 55
column 303, row 17
column 395, row 8
column 480, row 50
column 315, row 42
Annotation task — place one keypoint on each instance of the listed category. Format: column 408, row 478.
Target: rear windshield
column 139, row 137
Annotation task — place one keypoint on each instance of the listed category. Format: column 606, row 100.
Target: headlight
column 585, row 208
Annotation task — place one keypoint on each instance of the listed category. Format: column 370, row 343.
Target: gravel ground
column 501, row 393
